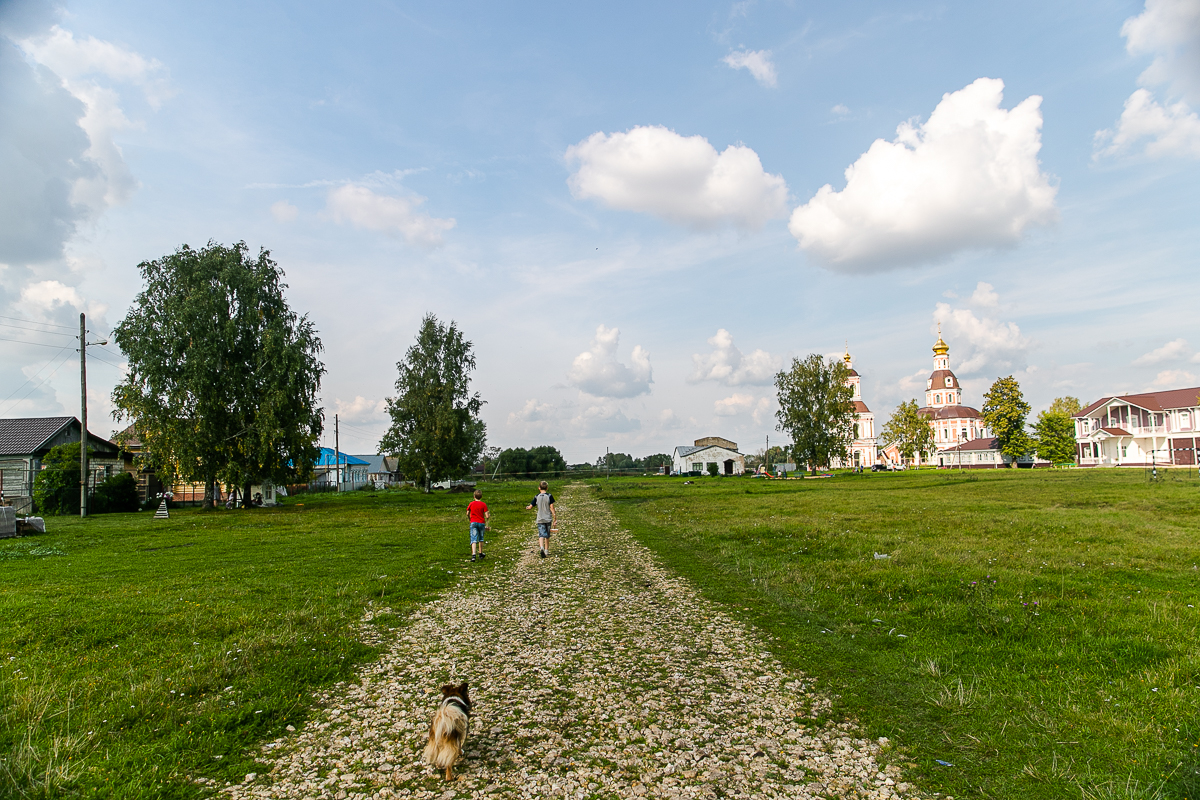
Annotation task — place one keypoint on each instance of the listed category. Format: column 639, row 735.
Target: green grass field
column 1040, row 631
column 138, row 653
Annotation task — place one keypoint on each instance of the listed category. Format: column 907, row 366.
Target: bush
column 118, row 493
column 712, row 469
column 56, row 487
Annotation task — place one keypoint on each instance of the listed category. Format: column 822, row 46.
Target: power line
column 26, row 341
column 35, row 330
column 42, row 382
column 35, row 322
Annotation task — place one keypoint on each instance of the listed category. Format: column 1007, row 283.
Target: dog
column 448, row 731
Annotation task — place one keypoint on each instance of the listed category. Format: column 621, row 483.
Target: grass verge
column 138, row 654
column 1018, row 635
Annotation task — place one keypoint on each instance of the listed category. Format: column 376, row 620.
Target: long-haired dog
column 448, row 731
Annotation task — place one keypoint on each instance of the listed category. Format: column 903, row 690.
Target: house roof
column 1151, row 401
column 326, row 459
column 374, row 463
column 21, row 437
column 949, row 412
column 1116, row 432
column 686, row 450
column 982, row 443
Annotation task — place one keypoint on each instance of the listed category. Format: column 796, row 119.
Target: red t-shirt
column 478, row 511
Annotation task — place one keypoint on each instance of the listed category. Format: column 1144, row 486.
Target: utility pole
column 337, row 455
column 83, row 454
column 607, row 464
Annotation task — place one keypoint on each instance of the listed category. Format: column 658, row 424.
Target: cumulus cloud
column 981, row 344
column 75, row 59
column 1171, row 351
column 1174, row 379
column 969, row 177
column 1168, row 30
column 726, row 364
column 360, row 409
column 758, row 62
column 668, row 420
column 680, row 179
column 283, row 211
column 598, row 420
column 362, row 208
column 739, row 403
column 984, row 295
column 597, row 371
column 537, row 419
column 1171, row 130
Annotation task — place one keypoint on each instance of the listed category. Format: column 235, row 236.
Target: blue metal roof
column 327, row 459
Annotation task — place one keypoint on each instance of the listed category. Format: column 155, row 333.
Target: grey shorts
column 544, row 530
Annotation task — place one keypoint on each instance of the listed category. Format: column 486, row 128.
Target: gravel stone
column 596, row 672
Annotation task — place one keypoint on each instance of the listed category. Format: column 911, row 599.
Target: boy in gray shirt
column 546, row 518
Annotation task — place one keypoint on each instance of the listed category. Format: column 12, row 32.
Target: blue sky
column 621, row 205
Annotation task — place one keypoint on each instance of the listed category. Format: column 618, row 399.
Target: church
column 954, row 425
column 864, row 450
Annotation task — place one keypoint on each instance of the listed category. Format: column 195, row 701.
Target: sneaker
column 472, row 558
column 481, row 556
column 542, row 553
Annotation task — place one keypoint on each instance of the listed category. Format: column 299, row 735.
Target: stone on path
column 594, row 673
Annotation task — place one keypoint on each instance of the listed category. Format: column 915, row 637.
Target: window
column 697, row 466
column 1124, row 450
column 949, row 382
column 937, row 398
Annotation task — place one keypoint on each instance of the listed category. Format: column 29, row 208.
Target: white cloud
column 1175, row 379
column 360, row 409
column 598, row 420
column 1171, row 351
column 537, row 420
column 680, row 179
column 79, row 63
column 981, row 345
column 757, row 61
column 597, row 372
column 739, row 403
column 967, row 178
column 364, row 209
column 668, row 420
column 840, row 110
column 726, row 364
column 1168, row 30
column 985, row 295
column 1167, row 130
column 283, row 211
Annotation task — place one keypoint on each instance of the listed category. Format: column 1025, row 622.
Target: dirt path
column 594, row 673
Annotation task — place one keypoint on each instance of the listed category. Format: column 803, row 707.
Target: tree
column 1004, row 412
column 56, row 486
column 1055, row 432
column 909, row 431
column 436, row 432
column 1066, row 405
column 541, row 460
column 655, row 461
column 115, row 494
column 617, row 461
column 816, row 408
column 223, row 375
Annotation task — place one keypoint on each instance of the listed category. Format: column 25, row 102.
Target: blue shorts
column 477, row 532
column 543, row 530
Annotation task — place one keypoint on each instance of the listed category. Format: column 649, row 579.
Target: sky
column 637, row 213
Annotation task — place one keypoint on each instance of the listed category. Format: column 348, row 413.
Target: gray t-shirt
column 542, row 503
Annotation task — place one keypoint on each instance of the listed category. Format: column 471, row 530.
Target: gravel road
column 594, row 673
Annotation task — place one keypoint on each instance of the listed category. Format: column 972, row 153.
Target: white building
column 864, row 450
column 1136, row 430
column 983, row 452
column 710, row 450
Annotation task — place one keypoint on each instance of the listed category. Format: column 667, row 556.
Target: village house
column 24, row 443
column 381, row 470
column 983, row 453
column 721, row 453
column 1139, row 430
column 329, row 469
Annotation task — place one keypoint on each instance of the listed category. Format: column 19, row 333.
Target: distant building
column 983, row 453
column 1140, row 430
column 25, row 442
column 329, row 469
column 864, row 450
column 381, row 470
column 709, row 450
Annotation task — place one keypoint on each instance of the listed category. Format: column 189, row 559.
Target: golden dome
column 940, row 348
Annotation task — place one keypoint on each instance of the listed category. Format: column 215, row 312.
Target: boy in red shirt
column 478, row 514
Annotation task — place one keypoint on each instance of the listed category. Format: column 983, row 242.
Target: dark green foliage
column 56, row 486
column 115, row 494
column 816, row 409
column 223, row 375
column 1055, row 434
column 538, row 462
column 655, row 461
column 436, row 432
column 1004, row 412
column 713, row 469
column 617, row 461
column 910, row 431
